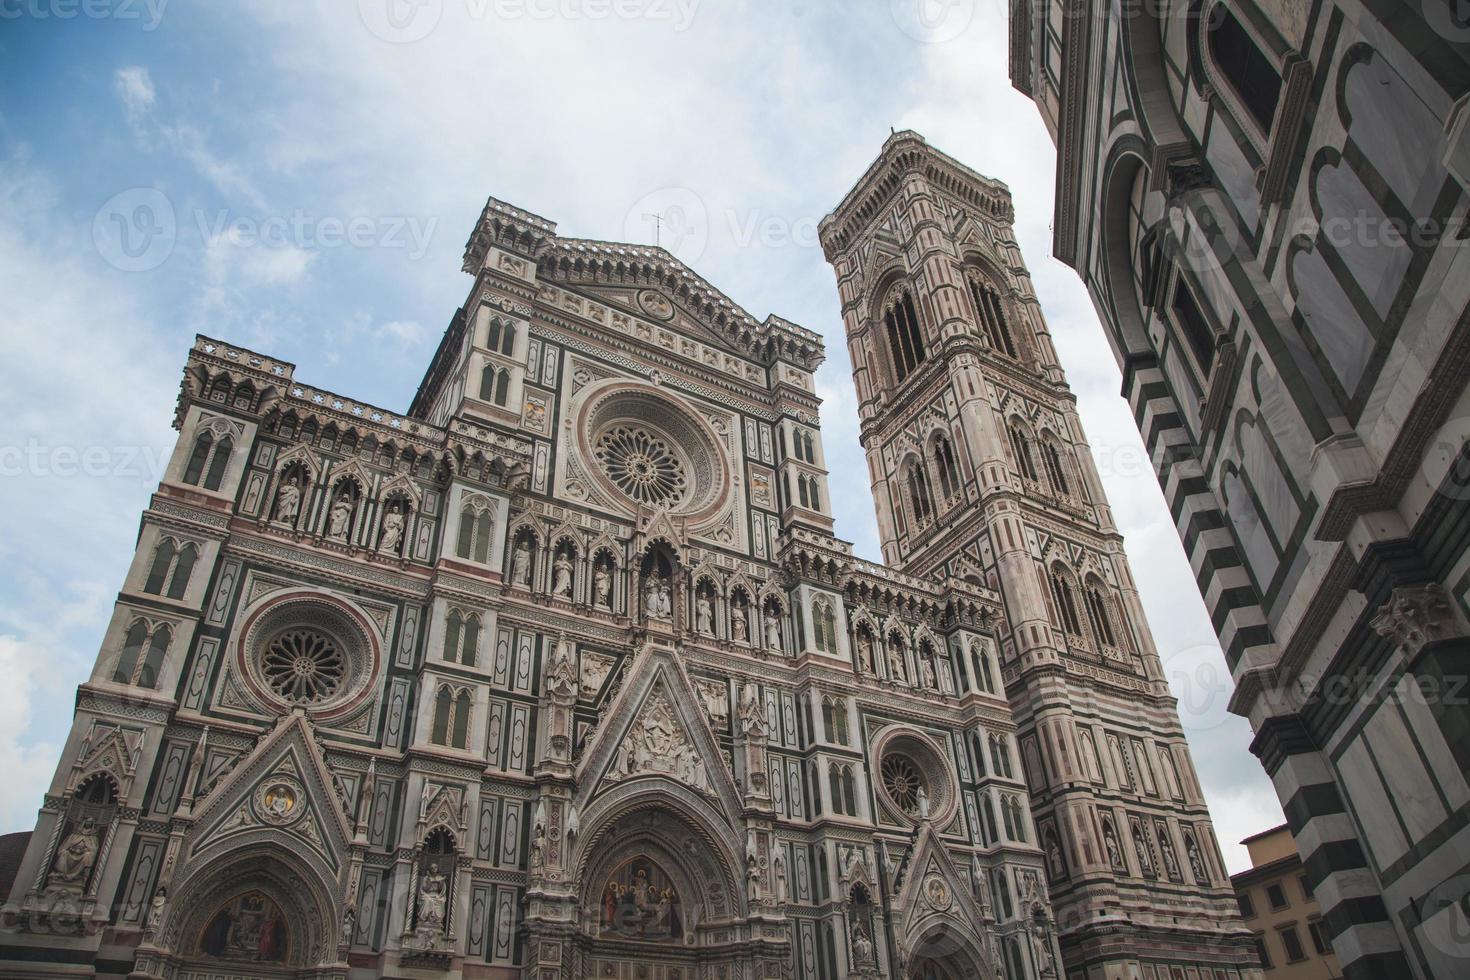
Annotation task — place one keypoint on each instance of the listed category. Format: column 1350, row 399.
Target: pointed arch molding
column 940, row 918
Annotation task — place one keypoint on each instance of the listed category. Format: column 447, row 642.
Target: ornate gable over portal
column 661, row 731
column 283, row 787
column 935, row 900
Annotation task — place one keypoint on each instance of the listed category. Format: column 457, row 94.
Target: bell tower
column 980, row 470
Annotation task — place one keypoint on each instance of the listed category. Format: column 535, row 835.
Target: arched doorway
column 929, row 969
column 659, row 892
column 261, row 912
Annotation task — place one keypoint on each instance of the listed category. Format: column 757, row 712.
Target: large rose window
column 905, row 783
column 649, row 448
column 643, row 465
column 303, row 666
column 916, row 781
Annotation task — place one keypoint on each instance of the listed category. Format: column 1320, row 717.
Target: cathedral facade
column 1267, row 201
column 562, row 673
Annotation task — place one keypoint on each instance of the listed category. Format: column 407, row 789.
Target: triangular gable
column 661, row 733
column 935, row 892
column 282, row 787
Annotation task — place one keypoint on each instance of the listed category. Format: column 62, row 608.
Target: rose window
column 903, row 780
column 303, row 666
column 643, row 465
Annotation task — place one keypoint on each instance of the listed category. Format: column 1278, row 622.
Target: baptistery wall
column 562, row 673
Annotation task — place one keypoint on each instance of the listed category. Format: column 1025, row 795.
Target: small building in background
column 1278, row 906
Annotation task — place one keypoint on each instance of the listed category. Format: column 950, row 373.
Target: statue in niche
column 773, row 628
column 561, row 576
column 1054, row 859
column 704, row 615
column 76, row 855
column 1140, row 844
column 640, row 902
column 865, row 651
column 1110, row 842
column 520, row 564
column 926, row 672
column 921, row 799
column 1171, row 863
column 433, row 894
column 392, row 530
column 339, row 517
column 778, row 868
column 288, row 501
column 752, row 879
column 657, row 597
column 1196, row 859
column 349, row 922
column 740, row 625
column 862, row 946
column 156, row 909
column 895, row 664
column 602, row 586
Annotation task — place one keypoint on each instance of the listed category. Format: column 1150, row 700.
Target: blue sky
column 300, row 178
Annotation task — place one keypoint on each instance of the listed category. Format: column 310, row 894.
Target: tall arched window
column 461, row 734
column 905, row 339
column 1246, row 67
column 453, row 628
column 208, row 461
column 992, row 315
column 919, row 497
column 1051, row 461
column 163, row 561
column 172, row 566
column 944, row 463
column 141, row 661
column 469, row 647
column 1021, row 448
column 1061, row 592
column 1000, row 757
column 502, row 388
column 1098, row 616
column 824, row 625
column 475, row 525
column 443, row 706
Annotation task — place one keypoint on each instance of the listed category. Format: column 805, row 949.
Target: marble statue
column 602, row 587
column 520, row 564
column 288, row 501
column 433, row 894
column 75, row 856
column 561, row 577
column 392, row 530
column 339, row 517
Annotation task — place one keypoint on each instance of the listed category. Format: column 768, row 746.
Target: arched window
column 1051, row 461
column 905, row 339
column 453, row 628
column 443, row 707
column 992, row 316
column 806, row 444
column 1006, row 818
column 1061, row 592
column 141, row 661
column 470, row 646
column 163, row 561
column 183, row 568
column 1021, row 448
column 990, row 827
column 919, row 498
column 208, row 461
column 461, row 735
column 824, row 625
column 475, row 525
column 508, row 339
column 487, row 380
column 801, row 489
column 1000, row 757
column 1251, row 74
column 949, row 473
column 502, row 388
column 1097, row 615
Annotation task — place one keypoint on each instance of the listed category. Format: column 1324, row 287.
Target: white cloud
column 135, row 88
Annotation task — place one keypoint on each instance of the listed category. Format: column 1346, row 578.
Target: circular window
column 643, row 465
column 303, row 666
column 904, row 783
column 915, row 778
column 308, row 651
column 647, row 447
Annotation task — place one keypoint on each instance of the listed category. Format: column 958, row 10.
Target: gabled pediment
column 281, row 789
column 934, row 892
column 656, row 730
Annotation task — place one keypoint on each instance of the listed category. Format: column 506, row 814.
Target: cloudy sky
column 300, row 179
